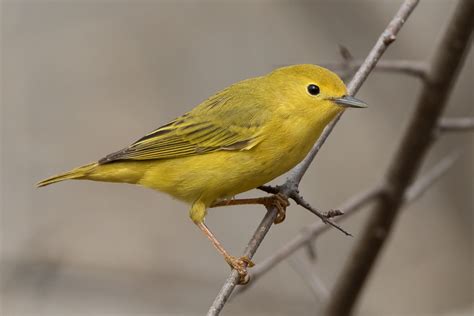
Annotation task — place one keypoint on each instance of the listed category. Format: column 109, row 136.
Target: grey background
column 81, row 79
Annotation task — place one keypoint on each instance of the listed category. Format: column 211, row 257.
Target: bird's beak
column 350, row 102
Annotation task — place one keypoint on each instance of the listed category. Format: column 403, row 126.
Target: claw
column 281, row 202
column 240, row 265
column 247, row 261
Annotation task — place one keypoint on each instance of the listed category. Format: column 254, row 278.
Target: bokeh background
column 81, row 79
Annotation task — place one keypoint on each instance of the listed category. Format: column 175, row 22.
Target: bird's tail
column 77, row 173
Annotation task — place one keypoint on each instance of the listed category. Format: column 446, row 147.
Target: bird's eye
column 313, row 89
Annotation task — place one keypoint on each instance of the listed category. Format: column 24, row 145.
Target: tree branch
column 387, row 37
column 456, row 124
column 409, row 67
column 420, row 186
column 310, row 232
column 324, row 217
column 291, row 184
column 252, row 247
column 308, row 276
column 351, row 206
column 406, row 163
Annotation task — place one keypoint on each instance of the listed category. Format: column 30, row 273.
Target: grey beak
column 350, row 102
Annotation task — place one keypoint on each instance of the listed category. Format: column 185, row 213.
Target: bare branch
column 252, row 247
column 387, row 37
column 324, row 217
column 309, row 277
column 346, row 54
column 269, row 189
column 409, row 67
column 417, row 140
column 420, row 186
column 311, row 251
column 292, row 182
column 458, row 124
column 309, row 233
column 414, row 192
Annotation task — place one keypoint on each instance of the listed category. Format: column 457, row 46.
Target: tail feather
column 77, row 173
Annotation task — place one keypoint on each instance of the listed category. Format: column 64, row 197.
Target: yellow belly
column 208, row 177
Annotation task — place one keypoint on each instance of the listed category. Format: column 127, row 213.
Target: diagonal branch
column 405, row 165
column 309, row 233
column 324, row 217
column 316, row 285
column 420, row 186
column 291, row 184
column 387, row 37
column 350, row 207
column 252, row 247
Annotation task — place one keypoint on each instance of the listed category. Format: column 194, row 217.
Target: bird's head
column 310, row 90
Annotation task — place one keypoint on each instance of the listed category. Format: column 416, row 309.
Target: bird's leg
column 278, row 200
column 239, row 264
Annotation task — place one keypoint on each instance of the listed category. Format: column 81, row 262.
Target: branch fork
column 291, row 190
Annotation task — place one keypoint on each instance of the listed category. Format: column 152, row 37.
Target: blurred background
column 81, row 79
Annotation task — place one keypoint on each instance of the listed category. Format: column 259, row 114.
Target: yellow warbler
column 238, row 139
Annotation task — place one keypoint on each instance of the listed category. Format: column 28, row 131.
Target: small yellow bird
column 240, row 138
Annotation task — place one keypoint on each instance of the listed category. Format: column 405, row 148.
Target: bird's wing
column 217, row 124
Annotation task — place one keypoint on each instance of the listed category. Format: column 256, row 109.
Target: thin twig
column 417, row 189
column 456, row 124
column 309, row 277
column 324, row 217
column 407, row 161
column 409, row 67
column 292, row 182
column 269, row 189
column 354, row 204
column 311, row 251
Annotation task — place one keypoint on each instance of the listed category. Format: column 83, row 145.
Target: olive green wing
column 219, row 123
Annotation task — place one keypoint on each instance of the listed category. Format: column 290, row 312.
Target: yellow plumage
column 240, row 138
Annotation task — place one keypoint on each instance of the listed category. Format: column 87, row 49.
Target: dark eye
column 313, row 89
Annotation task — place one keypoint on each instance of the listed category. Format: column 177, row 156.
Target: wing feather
column 220, row 123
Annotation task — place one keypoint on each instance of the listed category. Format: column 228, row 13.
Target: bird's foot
column 281, row 202
column 240, row 265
